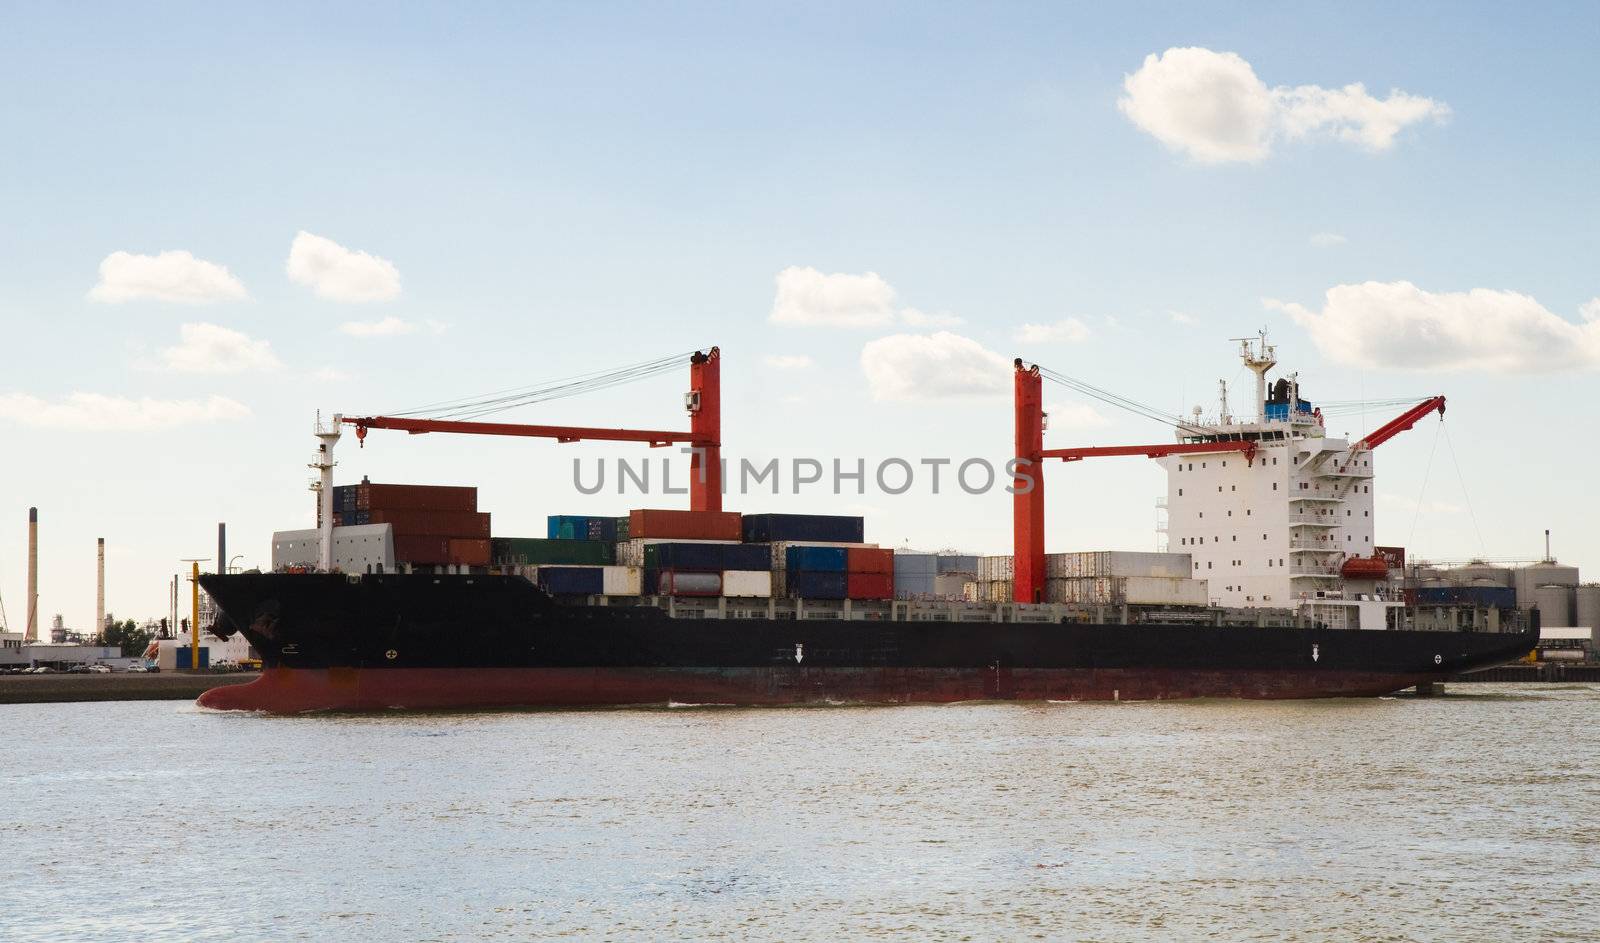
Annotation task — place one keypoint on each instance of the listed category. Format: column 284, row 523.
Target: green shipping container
column 539, row 551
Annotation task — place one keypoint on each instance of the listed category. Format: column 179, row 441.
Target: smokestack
column 32, row 633
column 100, row 587
column 222, row 548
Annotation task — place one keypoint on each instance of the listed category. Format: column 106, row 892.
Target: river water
column 1474, row 816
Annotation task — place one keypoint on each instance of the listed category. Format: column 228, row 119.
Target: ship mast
column 1259, row 357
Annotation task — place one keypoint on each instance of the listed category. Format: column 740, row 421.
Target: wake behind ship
column 1271, row 588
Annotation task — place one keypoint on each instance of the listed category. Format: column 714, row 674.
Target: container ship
column 1270, row 586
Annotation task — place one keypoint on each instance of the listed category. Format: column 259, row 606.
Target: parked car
column 136, row 668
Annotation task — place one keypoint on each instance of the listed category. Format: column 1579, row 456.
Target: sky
column 220, row 219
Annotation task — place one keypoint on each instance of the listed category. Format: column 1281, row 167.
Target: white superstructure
column 1273, row 528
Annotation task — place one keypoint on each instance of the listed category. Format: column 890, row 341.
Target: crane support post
column 1401, row 423
column 705, row 426
column 1027, row 500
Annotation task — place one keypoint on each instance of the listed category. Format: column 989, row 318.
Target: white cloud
column 1327, row 240
column 808, row 297
column 788, row 361
column 207, row 348
column 943, row 365
column 1181, row 317
column 1075, row 416
column 384, row 327
column 1211, row 106
column 1068, row 331
column 1396, row 325
column 169, row 276
column 95, row 412
column 341, row 274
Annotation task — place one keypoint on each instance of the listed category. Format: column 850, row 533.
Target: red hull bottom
column 295, row 690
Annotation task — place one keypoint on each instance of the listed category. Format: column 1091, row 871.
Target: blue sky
column 564, row 188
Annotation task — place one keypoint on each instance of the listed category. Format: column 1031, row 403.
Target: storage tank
column 1588, row 607
column 1528, row 579
column 1473, row 573
column 1555, row 605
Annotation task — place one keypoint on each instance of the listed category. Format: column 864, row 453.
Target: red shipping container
column 414, row 523
column 426, row 550
column 869, row 560
column 685, row 525
column 869, row 585
column 469, row 551
column 416, row 498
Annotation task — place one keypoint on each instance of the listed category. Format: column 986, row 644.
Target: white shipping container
column 622, row 580
column 991, row 569
column 1164, row 591
column 972, row 591
column 995, row 591
column 1116, row 563
column 756, row 583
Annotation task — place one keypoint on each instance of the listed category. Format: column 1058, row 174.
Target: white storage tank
column 1555, row 605
column 1588, row 606
column 1528, row 579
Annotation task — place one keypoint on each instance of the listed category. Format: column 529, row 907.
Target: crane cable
column 1471, row 514
column 484, row 404
column 1117, row 400
column 1422, row 491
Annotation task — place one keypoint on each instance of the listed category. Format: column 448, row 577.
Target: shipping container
column 515, row 551
column 689, row 583
column 622, row 581
column 632, row 552
column 993, row 569
column 747, row 583
column 469, row 551
column 566, row 527
column 817, row 584
column 1116, row 563
column 695, row 525
column 707, row 556
column 1130, row 590
column 422, row 550
column 432, row 523
column 572, row 580
column 780, row 550
column 869, row 586
column 869, row 560
column 818, row 559
column 416, row 497
column 766, row 528
column 603, row 528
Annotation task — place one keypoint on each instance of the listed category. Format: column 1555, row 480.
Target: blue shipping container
column 815, row 584
column 820, row 559
column 746, row 557
column 567, row 527
column 182, row 658
column 766, row 528
column 576, row 580
column 683, row 556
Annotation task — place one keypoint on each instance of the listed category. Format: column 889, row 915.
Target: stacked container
column 869, row 573
column 433, row 524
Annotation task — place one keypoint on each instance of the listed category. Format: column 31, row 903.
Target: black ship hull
column 332, row 642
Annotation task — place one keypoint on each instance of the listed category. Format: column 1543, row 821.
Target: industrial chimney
column 100, row 587
column 33, row 576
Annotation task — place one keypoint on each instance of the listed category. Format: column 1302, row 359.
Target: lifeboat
column 1365, row 568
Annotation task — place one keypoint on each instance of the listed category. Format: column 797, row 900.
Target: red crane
column 1027, row 507
column 703, row 401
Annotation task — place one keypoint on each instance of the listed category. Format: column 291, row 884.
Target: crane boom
column 1400, row 423
column 704, row 403
column 1151, row 451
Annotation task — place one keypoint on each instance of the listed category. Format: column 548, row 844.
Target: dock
column 130, row 686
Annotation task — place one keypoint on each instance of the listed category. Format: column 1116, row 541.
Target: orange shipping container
column 869, row 560
column 469, row 551
column 869, row 585
column 416, row 497
column 685, row 525
column 413, row 523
